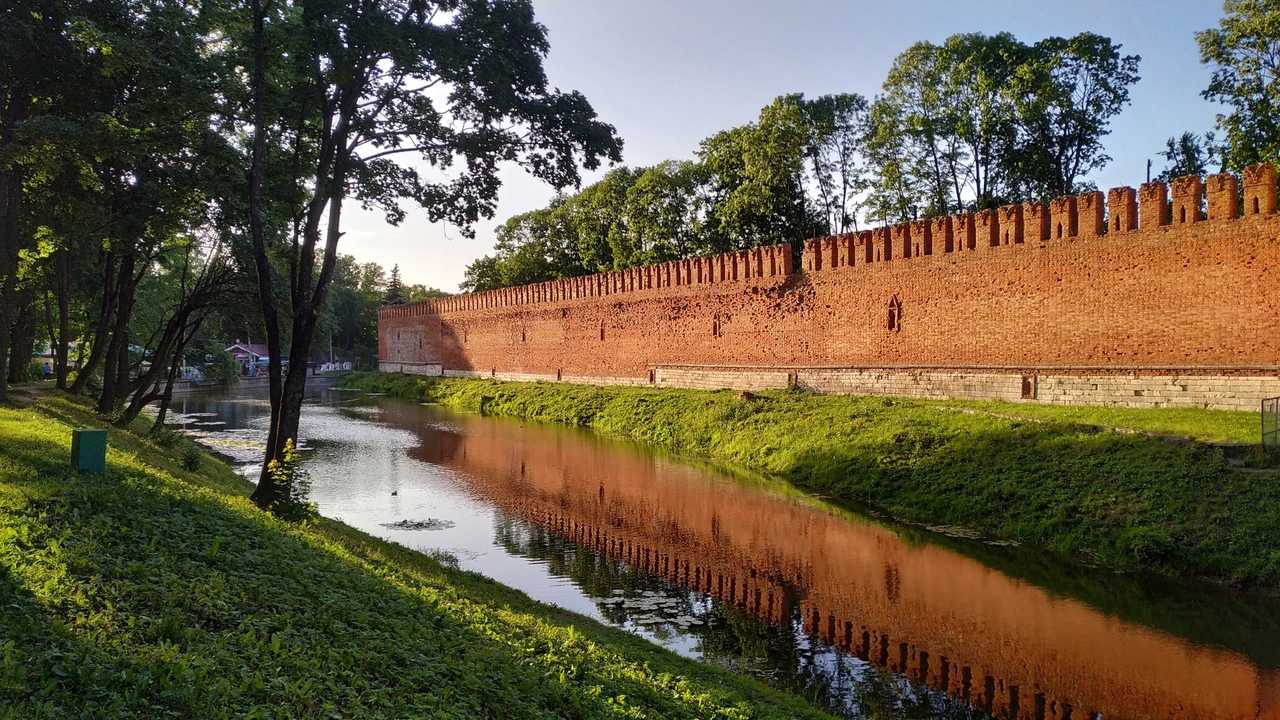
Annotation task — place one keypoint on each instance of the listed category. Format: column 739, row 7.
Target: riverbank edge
column 1149, row 495
column 109, row 602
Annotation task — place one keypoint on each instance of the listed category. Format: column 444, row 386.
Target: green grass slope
column 1031, row 473
column 154, row 591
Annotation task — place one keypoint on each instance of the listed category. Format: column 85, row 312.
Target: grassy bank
column 157, row 590
column 1031, row 473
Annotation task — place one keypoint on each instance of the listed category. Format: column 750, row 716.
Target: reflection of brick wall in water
column 936, row 616
column 1139, row 298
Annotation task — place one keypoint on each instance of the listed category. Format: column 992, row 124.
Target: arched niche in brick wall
column 895, row 314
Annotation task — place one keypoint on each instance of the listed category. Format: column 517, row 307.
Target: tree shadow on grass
column 140, row 595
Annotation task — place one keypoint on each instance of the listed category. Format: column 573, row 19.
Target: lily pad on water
column 428, row 524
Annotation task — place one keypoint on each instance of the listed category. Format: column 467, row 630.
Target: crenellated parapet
column 1087, row 216
column 736, row 267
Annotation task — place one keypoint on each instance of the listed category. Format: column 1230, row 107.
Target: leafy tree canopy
column 1244, row 51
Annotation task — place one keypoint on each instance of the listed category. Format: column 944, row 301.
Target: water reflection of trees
column 781, row 656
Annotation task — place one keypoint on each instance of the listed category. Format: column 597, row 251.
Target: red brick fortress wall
column 1139, row 298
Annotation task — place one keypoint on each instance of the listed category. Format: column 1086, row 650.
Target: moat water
column 863, row 616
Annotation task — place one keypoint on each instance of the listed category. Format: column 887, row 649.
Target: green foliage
column 420, row 293
column 93, row 385
column 1054, row 476
column 534, row 247
column 1246, row 78
column 980, row 121
column 395, row 290
column 757, row 171
column 975, row 122
column 1064, row 97
column 794, row 173
column 223, row 368
column 351, row 317
column 191, row 457
column 34, row 371
column 164, row 437
column 293, row 485
column 835, row 150
column 153, row 592
column 1188, row 154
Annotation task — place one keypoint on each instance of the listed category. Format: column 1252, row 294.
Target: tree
column 159, row 162
column 107, row 130
column 188, row 287
column 979, row 71
column 901, row 185
column 1244, row 51
column 1066, row 93
column 838, row 127
column 350, row 320
column 756, row 179
column 981, row 121
column 50, row 59
column 395, row 291
column 458, row 83
column 665, row 216
column 1188, row 154
column 532, row 247
column 421, row 293
column 595, row 219
column 794, row 173
column 915, row 153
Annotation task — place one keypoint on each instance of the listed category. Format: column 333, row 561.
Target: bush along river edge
column 157, row 590
column 1179, row 491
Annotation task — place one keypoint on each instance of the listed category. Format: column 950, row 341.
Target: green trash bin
column 89, row 451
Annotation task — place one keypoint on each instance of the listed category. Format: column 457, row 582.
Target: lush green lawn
column 1210, row 426
column 1031, row 473
column 156, row 591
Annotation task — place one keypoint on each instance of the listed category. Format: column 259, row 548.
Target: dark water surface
column 860, row 615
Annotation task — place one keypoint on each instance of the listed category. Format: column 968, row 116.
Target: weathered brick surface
column 1179, row 310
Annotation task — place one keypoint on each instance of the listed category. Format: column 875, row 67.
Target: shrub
column 164, row 437
column 294, row 486
column 191, row 458
column 35, row 372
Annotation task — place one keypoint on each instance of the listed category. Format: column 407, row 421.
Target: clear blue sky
column 668, row 73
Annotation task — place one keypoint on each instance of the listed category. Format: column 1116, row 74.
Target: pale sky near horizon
column 667, row 74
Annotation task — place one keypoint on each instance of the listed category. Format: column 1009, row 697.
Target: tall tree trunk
column 308, row 301
column 51, row 330
column 13, row 112
column 167, row 396
column 23, row 340
column 63, row 341
column 115, row 371
column 10, row 239
column 266, row 493
column 98, row 350
column 177, row 333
